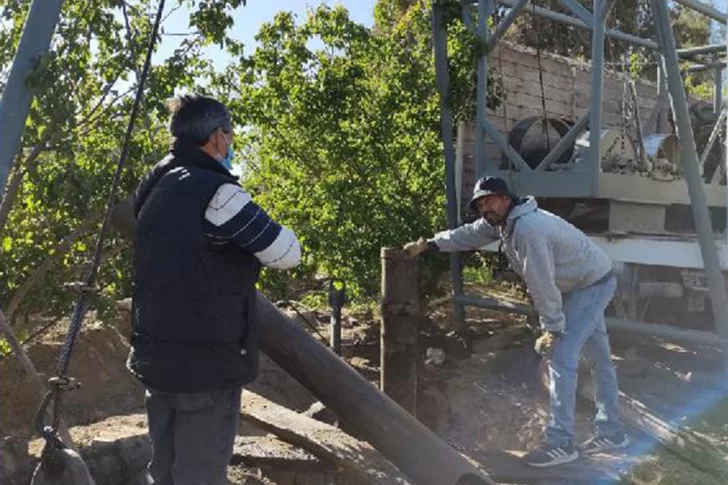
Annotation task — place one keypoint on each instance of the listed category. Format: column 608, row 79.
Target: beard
column 493, row 219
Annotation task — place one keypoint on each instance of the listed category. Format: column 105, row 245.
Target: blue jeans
column 192, row 435
column 585, row 328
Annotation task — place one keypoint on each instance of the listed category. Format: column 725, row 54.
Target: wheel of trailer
column 534, row 137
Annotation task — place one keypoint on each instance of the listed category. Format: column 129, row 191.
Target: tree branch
column 63, row 246
column 130, row 40
column 16, row 181
column 104, row 94
column 28, row 165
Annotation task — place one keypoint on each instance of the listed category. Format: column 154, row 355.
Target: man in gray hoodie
column 570, row 281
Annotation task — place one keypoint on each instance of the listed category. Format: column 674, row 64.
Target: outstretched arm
column 466, row 237
column 232, row 216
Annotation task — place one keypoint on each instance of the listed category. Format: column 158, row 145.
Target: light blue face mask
column 227, row 162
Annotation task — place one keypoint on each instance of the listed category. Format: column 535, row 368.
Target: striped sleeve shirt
column 232, row 216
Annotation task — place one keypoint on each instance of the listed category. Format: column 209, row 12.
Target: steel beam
column 706, row 67
column 648, row 329
column 705, row 9
column 578, row 9
column 16, row 98
column 481, row 159
column 566, row 141
column 569, row 20
column 503, row 144
column 711, row 141
column 569, row 184
column 506, row 23
column 718, row 89
column 597, row 83
column 439, row 35
column 689, row 157
column 694, row 4
column 701, row 50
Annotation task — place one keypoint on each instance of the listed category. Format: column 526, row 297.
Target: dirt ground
column 495, row 399
column 491, row 399
column 107, row 389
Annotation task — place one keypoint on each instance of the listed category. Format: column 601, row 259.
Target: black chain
column 62, row 382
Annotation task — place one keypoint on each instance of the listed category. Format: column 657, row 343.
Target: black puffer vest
column 194, row 318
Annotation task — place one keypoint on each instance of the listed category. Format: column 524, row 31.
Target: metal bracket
column 64, row 383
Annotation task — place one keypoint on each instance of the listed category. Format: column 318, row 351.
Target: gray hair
column 195, row 117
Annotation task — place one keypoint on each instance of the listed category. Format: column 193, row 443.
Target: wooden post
column 400, row 326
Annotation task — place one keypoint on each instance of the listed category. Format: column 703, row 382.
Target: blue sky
column 248, row 20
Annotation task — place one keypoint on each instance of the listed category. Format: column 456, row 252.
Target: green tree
column 56, row 194
column 342, row 134
column 339, row 124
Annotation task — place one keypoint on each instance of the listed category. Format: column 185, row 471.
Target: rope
column 62, row 382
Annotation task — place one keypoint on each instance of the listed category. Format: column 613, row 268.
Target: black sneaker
column 548, row 455
column 601, row 444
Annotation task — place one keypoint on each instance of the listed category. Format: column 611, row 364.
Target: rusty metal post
column 400, row 327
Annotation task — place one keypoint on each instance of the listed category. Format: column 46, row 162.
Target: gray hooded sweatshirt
column 552, row 256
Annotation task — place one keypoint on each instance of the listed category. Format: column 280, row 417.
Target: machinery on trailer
column 642, row 200
column 653, row 199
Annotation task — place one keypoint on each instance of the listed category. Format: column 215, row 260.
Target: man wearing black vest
column 200, row 242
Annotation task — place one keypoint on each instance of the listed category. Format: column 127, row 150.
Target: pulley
column 617, row 152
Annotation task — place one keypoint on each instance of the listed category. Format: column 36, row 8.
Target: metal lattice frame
column 585, row 182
